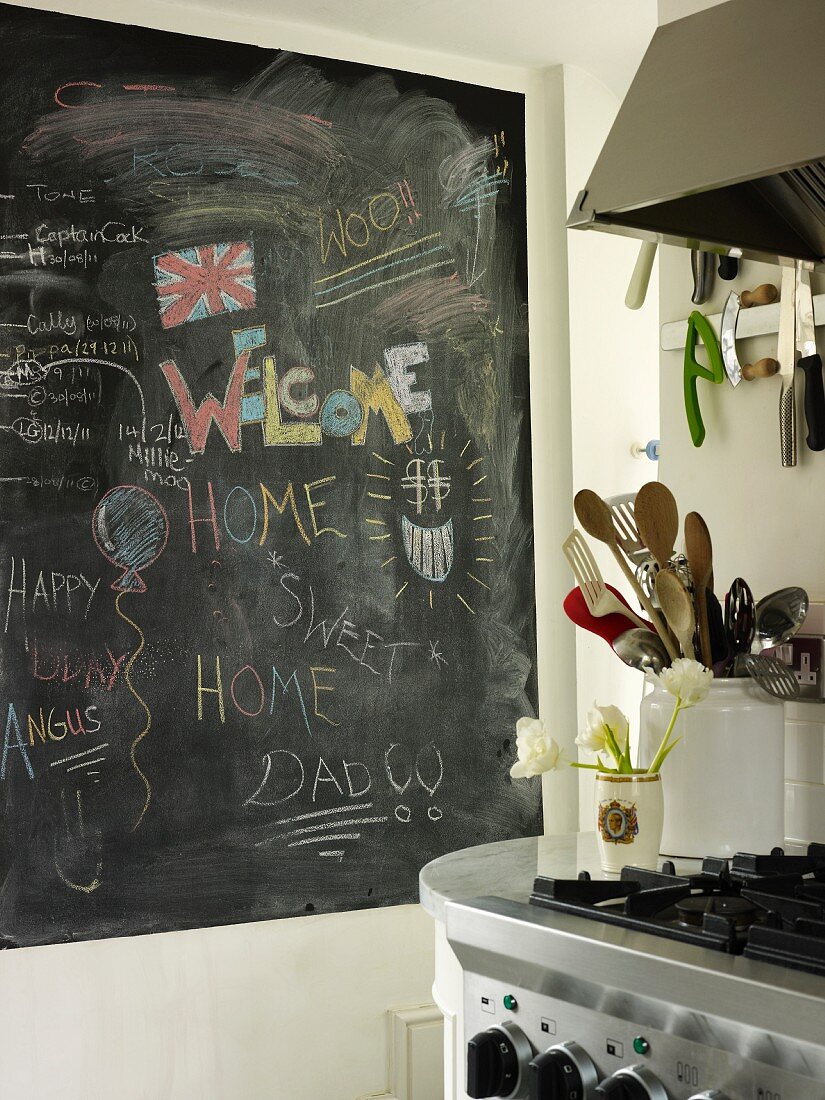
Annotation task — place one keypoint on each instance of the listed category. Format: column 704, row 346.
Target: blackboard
column 266, row 566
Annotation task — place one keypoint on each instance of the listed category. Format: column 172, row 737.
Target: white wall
column 297, row 1008
column 767, row 523
column 678, row 9
column 614, row 385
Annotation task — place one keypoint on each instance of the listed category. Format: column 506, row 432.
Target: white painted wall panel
column 614, row 389
column 767, row 523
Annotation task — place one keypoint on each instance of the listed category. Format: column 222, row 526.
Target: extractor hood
column 720, row 141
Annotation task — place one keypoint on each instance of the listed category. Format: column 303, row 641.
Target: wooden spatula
column 700, row 558
column 597, row 520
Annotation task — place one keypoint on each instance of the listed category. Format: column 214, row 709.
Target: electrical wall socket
column 807, row 663
column 805, row 654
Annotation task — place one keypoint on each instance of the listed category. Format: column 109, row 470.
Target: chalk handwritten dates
column 42, row 254
column 70, row 323
column 82, row 483
column 40, row 396
column 78, row 349
column 32, row 430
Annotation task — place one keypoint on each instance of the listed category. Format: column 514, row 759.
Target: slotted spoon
column 627, row 533
column 597, row 596
column 772, row 675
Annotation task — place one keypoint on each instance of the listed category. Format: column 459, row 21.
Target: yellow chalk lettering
column 289, row 498
column 375, row 395
column 217, row 690
column 315, row 505
column 316, row 688
column 277, row 434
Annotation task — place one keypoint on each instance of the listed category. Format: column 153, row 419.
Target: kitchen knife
column 786, row 346
column 809, row 361
column 728, row 267
column 716, row 626
column 639, row 280
column 701, row 264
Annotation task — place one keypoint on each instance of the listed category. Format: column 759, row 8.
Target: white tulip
column 593, row 738
column 688, row 680
column 538, row 752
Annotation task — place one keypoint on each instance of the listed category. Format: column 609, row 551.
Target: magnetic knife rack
column 755, row 321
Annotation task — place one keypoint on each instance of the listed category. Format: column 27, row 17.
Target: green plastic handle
column 699, row 325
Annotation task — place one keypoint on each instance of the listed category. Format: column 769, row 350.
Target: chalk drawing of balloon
column 130, row 527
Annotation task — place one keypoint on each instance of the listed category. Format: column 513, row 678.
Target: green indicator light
column 510, row 1002
column 641, row 1045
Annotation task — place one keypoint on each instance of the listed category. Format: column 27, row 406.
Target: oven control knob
column 563, row 1072
column 495, row 1058
column 632, row 1083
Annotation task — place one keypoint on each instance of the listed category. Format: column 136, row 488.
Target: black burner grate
column 767, row 907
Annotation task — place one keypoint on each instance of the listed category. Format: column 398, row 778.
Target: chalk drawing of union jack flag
column 194, row 283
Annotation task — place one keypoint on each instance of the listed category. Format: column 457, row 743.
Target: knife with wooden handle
column 786, row 351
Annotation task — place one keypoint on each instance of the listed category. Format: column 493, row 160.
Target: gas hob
column 656, row 986
column 765, row 907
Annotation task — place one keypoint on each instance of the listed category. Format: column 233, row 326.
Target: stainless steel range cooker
column 659, row 986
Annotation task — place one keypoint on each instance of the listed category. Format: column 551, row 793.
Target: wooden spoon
column 700, row 558
column 657, row 520
column 677, row 605
column 597, row 520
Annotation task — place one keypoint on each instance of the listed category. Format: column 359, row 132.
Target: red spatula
column 608, row 627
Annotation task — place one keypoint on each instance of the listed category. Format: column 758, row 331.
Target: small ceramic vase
column 629, row 817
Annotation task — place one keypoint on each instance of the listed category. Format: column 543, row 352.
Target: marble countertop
column 506, row 869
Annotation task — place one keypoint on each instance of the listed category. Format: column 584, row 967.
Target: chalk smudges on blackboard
column 263, row 345
column 186, row 153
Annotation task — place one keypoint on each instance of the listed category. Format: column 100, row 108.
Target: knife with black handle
column 728, row 267
column 811, row 365
column 809, row 362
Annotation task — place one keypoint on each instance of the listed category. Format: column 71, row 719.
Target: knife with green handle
column 809, row 361
column 786, row 353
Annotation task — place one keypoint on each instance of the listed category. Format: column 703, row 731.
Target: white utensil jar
column 724, row 783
